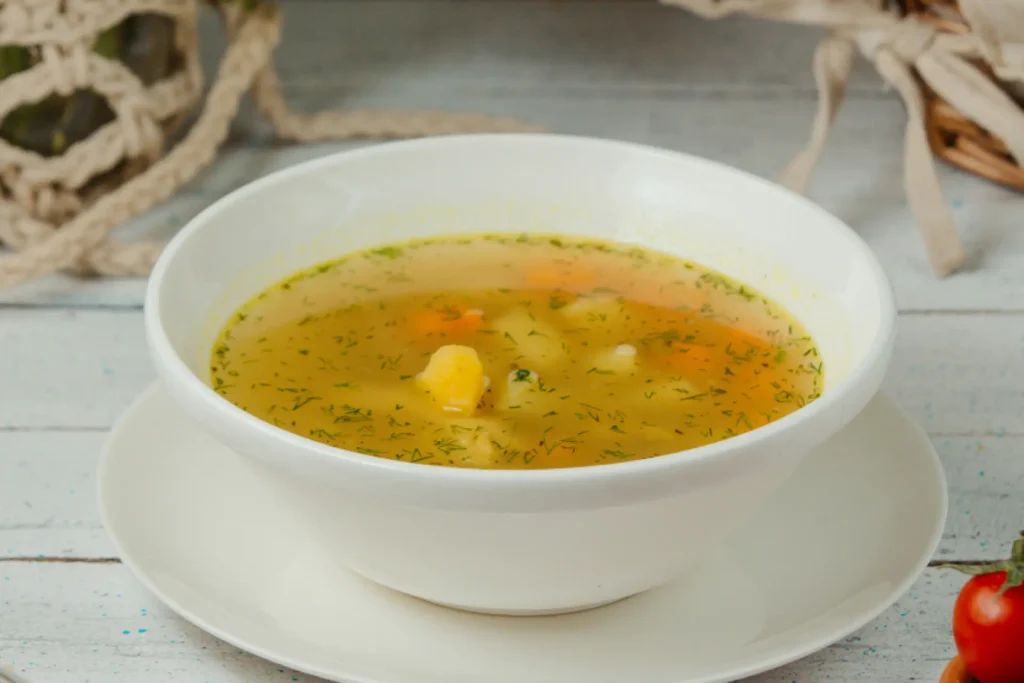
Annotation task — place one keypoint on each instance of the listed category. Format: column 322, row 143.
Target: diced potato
column 454, row 377
column 480, row 450
column 593, row 310
column 479, row 440
column 538, row 343
column 524, row 392
column 620, row 360
column 520, row 389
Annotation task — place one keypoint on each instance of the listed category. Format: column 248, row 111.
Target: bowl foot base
column 528, row 612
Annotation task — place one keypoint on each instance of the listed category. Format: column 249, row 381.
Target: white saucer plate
column 847, row 535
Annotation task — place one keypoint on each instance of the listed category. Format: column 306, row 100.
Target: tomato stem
column 979, row 569
column 1014, row 567
column 1017, row 554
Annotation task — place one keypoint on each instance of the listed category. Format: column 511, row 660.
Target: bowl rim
column 206, row 399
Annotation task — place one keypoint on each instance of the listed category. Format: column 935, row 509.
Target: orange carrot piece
column 744, row 338
column 449, row 321
column 687, row 357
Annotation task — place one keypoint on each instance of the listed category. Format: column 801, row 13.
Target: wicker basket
column 952, row 136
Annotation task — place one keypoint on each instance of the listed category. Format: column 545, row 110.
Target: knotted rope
column 57, row 211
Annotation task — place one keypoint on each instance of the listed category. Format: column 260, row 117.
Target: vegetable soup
column 514, row 352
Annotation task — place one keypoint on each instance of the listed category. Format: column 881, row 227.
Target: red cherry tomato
column 989, row 629
column 988, row 620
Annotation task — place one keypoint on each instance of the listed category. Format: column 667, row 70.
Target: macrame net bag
column 57, row 209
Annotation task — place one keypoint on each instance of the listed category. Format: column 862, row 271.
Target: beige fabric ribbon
column 898, row 48
column 999, row 30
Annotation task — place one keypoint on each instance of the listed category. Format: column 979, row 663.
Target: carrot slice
column 687, row 357
column 744, row 338
column 447, row 321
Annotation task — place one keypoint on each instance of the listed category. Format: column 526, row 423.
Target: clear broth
column 595, row 353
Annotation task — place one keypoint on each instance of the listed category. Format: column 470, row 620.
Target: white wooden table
column 72, row 354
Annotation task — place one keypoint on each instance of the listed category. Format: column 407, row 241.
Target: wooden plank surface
column 82, row 623
column 72, row 353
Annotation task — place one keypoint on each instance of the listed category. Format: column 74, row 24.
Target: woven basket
column 952, row 136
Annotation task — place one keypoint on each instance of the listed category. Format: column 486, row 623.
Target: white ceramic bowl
column 523, row 541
